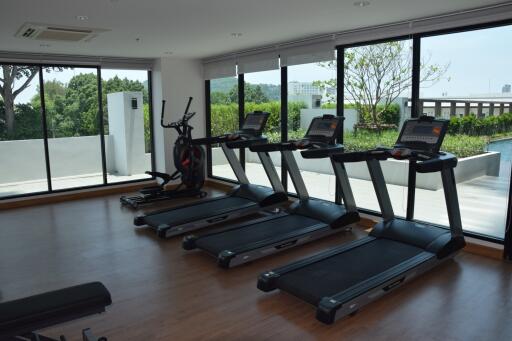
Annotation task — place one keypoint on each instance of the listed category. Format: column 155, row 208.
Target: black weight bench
column 20, row 319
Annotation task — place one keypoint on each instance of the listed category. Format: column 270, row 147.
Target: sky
column 479, row 62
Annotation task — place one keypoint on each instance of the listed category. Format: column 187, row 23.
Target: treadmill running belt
column 343, row 270
column 247, row 234
column 199, row 211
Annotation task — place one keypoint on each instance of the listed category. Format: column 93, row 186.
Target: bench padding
column 25, row 315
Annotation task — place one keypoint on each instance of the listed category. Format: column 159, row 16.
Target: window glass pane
column 262, row 92
column 468, row 82
column 312, row 93
column 376, row 93
column 23, row 165
column 71, row 102
column 224, row 119
column 127, row 124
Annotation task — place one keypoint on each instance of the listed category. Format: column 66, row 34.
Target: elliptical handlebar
column 186, row 116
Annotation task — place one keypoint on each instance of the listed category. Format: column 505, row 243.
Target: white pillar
column 175, row 80
column 126, row 132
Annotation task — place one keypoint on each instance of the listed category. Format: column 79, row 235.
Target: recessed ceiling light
column 362, row 3
column 82, row 17
column 236, row 34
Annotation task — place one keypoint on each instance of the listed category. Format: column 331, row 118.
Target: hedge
column 484, row 126
column 460, row 145
column 225, row 116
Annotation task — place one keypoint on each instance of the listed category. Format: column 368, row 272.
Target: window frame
column 101, row 117
column 415, row 97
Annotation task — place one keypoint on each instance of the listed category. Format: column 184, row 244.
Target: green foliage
column 292, row 135
column 147, row 128
column 71, row 109
column 329, row 106
column 460, row 145
column 485, row 126
column 389, row 115
column 224, row 117
column 27, row 123
column 257, row 93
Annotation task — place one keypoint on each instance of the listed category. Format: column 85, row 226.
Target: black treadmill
column 244, row 199
column 306, row 220
column 341, row 280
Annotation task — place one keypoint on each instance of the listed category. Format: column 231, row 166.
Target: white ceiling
column 202, row 28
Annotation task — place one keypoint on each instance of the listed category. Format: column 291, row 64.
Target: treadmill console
column 323, row 129
column 254, row 123
column 424, row 134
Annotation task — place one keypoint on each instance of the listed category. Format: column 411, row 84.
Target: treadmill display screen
column 255, row 122
column 322, row 127
column 428, row 135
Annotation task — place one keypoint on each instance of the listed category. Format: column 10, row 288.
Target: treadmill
column 244, row 199
column 341, row 280
column 306, row 220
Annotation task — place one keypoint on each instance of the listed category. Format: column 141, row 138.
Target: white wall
column 175, row 80
column 23, row 160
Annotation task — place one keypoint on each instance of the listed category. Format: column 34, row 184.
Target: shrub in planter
column 484, row 126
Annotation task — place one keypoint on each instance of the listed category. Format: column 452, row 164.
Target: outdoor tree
column 253, row 93
column 376, row 75
column 10, row 89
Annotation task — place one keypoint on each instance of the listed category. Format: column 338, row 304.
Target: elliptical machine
column 189, row 162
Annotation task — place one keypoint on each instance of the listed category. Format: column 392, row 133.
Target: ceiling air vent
column 56, row 33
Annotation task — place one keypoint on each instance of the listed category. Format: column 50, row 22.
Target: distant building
column 303, row 88
column 308, row 89
column 506, row 89
column 311, row 101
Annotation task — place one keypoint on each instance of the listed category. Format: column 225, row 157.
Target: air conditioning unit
column 37, row 31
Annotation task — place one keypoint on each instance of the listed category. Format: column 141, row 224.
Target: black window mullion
column 284, row 122
column 208, row 124
column 416, row 69
column 45, row 130
column 507, row 252
column 340, row 104
column 101, row 126
column 241, row 112
column 151, row 120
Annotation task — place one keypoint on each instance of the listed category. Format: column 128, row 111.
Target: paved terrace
column 483, row 200
column 40, row 185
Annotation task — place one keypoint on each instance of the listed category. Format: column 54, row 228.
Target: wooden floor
column 161, row 292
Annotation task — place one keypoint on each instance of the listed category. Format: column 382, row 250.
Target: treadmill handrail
column 272, row 147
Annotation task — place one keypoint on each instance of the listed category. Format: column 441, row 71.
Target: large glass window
column 473, row 91
column 224, row 119
column 377, row 89
column 72, row 118
column 23, row 165
column 127, row 124
column 262, row 92
column 461, row 78
column 312, row 93
column 71, row 115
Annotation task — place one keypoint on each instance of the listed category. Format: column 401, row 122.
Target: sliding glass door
column 473, row 91
column 23, row 164
column 52, row 123
column 72, row 118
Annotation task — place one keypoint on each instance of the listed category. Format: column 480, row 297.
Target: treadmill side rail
column 276, row 273
column 348, row 302
column 251, row 252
